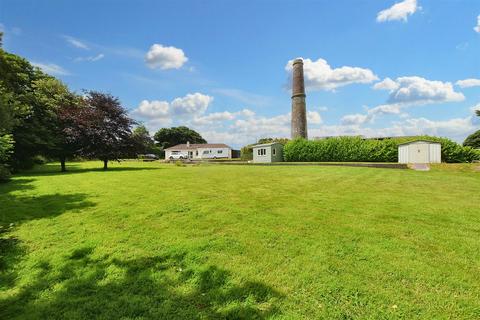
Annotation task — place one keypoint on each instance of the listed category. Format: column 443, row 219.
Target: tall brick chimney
column 299, row 112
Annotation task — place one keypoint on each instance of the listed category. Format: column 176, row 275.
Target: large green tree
column 60, row 126
column 21, row 113
column 168, row 137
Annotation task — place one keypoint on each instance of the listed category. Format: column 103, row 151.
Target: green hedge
column 356, row 149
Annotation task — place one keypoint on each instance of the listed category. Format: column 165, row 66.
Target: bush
column 5, row 173
column 356, row 149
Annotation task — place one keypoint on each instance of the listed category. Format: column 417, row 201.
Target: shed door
column 418, row 153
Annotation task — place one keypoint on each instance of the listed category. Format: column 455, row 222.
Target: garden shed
column 420, row 151
column 268, row 152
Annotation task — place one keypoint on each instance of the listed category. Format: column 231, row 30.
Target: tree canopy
column 169, row 137
column 40, row 116
column 473, row 140
column 107, row 135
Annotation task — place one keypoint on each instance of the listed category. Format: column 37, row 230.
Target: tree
column 106, row 133
column 18, row 107
column 473, row 140
column 283, row 141
column 6, row 149
column 168, row 137
column 60, row 108
column 143, row 143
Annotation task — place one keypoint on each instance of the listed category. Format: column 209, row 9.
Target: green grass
column 158, row 241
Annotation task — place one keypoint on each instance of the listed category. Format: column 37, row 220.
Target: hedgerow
column 357, row 149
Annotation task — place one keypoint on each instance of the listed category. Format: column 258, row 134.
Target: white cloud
column 354, row 119
column 399, row 11
column 386, row 84
column 153, row 109
column 160, row 57
column 406, row 92
column 76, row 43
column 213, row 118
column 51, row 68
column 313, row 117
column 456, row 128
column 189, row 106
column 417, row 90
column 467, row 83
column 320, row 76
column 477, row 27
column 195, row 103
column 90, row 58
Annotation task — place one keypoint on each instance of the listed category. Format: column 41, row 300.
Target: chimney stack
column 299, row 112
column 188, row 144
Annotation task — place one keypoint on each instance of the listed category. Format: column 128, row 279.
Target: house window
column 258, row 151
column 262, row 152
column 206, row 152
column 274, row 151
column 196, row 153
column 219, row 151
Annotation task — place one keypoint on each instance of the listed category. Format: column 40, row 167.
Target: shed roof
column 415, row 141
column 194, row 146
column 265, row 144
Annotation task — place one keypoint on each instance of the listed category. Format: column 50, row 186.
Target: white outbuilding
column 420, row 151
column 268, row 152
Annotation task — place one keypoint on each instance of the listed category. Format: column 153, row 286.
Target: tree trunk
column 62, row 163
column 105, row 164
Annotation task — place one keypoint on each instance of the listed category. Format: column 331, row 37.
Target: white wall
column 420, row 152
column 262, row 158
column 435, row 153
column 403, row 153
column 213, row 153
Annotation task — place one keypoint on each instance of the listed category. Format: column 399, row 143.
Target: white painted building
column 199, row 151
column 420, row 151
column 268, row 152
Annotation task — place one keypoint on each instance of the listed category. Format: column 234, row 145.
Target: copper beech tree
column 103, row 128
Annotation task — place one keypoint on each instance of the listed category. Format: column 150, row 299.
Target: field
column 160, row 241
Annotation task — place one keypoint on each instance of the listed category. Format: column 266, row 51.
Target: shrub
column 356, row 149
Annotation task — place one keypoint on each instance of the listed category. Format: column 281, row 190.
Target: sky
column 372, row 68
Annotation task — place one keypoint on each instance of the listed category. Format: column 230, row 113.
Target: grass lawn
column 159, row 241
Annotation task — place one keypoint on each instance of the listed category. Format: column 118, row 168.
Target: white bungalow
column 199, row 151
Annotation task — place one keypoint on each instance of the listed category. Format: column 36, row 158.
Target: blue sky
column 375, row 68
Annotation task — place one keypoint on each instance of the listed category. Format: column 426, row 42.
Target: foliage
column 473, row 140
column 107, row 133
column 23, row 110
column 300, row 242
column 356, row 149
column 169, row 137
column 283, row 141
column 246, row 153
column 143, row 142
column 6, row 149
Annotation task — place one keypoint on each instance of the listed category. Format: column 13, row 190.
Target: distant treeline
column 357, row 149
